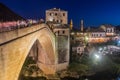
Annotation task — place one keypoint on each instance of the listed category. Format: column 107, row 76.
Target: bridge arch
column 15, row 52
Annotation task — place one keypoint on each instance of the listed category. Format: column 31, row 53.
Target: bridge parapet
column 15, row 46
column 14, row 34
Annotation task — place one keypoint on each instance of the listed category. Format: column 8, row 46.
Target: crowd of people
column 12, row 25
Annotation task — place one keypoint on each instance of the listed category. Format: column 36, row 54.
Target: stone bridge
column 16, row 45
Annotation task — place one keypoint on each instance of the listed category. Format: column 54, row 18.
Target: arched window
column 55, row 14
column 50, row 14
column 63, row 32
column 57, row 21
column 61, row 21
column 58, row 32
column 63, row 14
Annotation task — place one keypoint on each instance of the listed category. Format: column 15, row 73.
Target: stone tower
column 57, row 16
column 57, row 20
column 71, row 24
column 81, row 25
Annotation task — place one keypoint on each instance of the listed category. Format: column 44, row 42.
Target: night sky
column 93, row 12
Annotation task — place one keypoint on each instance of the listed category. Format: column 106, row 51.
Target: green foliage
column 33, row 78
column 81, row 69
column 77, row 67
column 28, row 61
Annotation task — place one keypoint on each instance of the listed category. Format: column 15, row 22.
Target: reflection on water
column 33, row 78
column 94, row 77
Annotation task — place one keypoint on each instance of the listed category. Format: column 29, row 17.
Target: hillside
column 8, row 15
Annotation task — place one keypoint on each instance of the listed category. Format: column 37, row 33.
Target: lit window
column 51, row 19
column 72, row 33
column 52, row 14
column 111, row 30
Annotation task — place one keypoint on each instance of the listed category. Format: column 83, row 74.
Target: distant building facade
column 57, row 16
column 100, row 34
column 109, row 29
column 96, row 35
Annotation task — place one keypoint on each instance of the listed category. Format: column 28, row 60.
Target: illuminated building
column 96, row 35
column 109, row 29
column 101, row 34
column 56, row 16
column 57, row 21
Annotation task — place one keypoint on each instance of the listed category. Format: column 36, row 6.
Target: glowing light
column 100, row 49
column 118, row 42
column 86, row 38
column 51, row 19
column 72, row 33
column 97, row 56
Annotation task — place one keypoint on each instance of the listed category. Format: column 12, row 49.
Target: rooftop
column 55, row 9
column 95, row 30
column 107, row 25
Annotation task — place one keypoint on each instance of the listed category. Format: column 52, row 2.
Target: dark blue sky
column 93, row 12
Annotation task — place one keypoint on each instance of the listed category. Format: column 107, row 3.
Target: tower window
column 61, row 21
column 50, row 14
column 63, row 32
column 63, row 14
column 55, row 14
column 58, row 32
column 57, row 21
column 111, row 30
column 53, row 20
